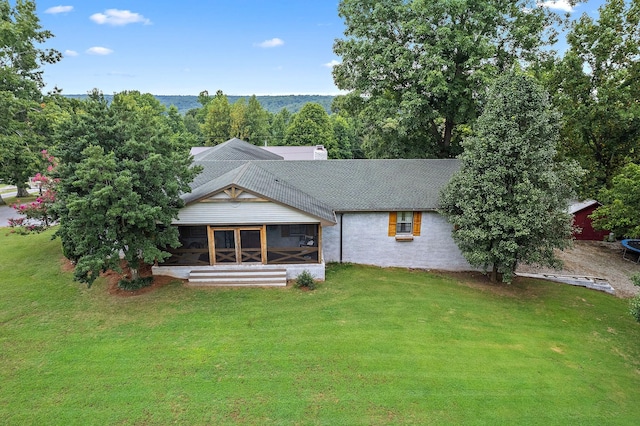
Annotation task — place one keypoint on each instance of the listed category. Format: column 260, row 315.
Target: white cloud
column 59, row 9
column 559, row 5
column 274, row 42
column 118, row 17
column 70, row 53
column 331, row 64
column 97, row 50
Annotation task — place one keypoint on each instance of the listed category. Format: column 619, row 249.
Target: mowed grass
column 370, row 346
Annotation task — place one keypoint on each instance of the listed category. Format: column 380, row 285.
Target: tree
column 420, row 66
column 217, row 123
column 620, row 211
column 121, row 180
column 508, row 202
column 595, row 85
column 344, row 135
column 193, row 125
column 20, row 85
column 311, row 126
column 279, row 125
column 237, row 120
column 182, row 137
column 257, row 121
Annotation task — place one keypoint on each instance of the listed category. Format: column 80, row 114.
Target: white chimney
column 320, row 153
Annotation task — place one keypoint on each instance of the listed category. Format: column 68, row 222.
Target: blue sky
column 242, row 47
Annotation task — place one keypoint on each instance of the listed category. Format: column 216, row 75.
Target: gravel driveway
column 596, row 259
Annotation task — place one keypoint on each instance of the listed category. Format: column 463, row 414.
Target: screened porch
column 211, row 245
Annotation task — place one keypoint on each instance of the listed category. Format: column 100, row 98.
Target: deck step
column 238, row 277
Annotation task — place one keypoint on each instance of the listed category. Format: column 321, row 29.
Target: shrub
column 635, row 278
column 133, row 285
column 305, row 279
column 634, row 307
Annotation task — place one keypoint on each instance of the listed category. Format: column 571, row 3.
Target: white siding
column 239, row 213
column 366, row 241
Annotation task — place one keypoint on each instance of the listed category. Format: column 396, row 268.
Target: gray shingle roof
column 326, row 186
column 252, row 177
column 369, row 185
column 235, row 149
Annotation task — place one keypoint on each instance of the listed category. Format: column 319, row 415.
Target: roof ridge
column 242, row 171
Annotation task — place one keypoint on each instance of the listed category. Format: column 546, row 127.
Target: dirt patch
column 112, row 278
column 66, row 265
column 595, row 259
column 480, row 281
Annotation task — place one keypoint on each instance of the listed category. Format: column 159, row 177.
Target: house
column 317, row 152
column 581, row 211
column 256, row 217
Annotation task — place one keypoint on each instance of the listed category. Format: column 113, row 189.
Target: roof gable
column 251, row 177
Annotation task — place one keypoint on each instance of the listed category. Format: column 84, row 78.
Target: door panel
column 250, row 247
column 238, row 245
column 225, row 246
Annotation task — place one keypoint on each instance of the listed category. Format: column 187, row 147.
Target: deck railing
column 280, row 255
column 275, row 256
column 188, row 257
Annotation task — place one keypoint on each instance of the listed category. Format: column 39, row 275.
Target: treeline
column 273, row 104
column 301, row 120
column 218, row 119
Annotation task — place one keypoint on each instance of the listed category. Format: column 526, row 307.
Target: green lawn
column 370, row 346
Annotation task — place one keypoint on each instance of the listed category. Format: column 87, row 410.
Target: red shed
column 581, row 211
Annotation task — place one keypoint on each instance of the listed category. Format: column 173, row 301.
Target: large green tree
column 311, row 126
column 620, row 211
column 595, row 85
column 257, row 122
column 279, row 124
column 121, row 179
column 421, row 66
column 20, row 84
column 344, row 135
column 217, row 122
column 508, row 202
column 238, row 120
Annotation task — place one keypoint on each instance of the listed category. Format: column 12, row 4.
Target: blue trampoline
column 633, row 246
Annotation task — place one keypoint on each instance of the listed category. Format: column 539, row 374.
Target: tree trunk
column 134, row 274
column 494, row 274
column 22, row 191
column 448, row 134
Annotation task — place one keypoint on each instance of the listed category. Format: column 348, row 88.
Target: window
column 404, row 225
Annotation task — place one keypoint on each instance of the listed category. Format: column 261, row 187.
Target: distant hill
column 272, row 104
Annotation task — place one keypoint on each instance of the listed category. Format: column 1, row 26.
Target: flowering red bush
column 38, row 215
